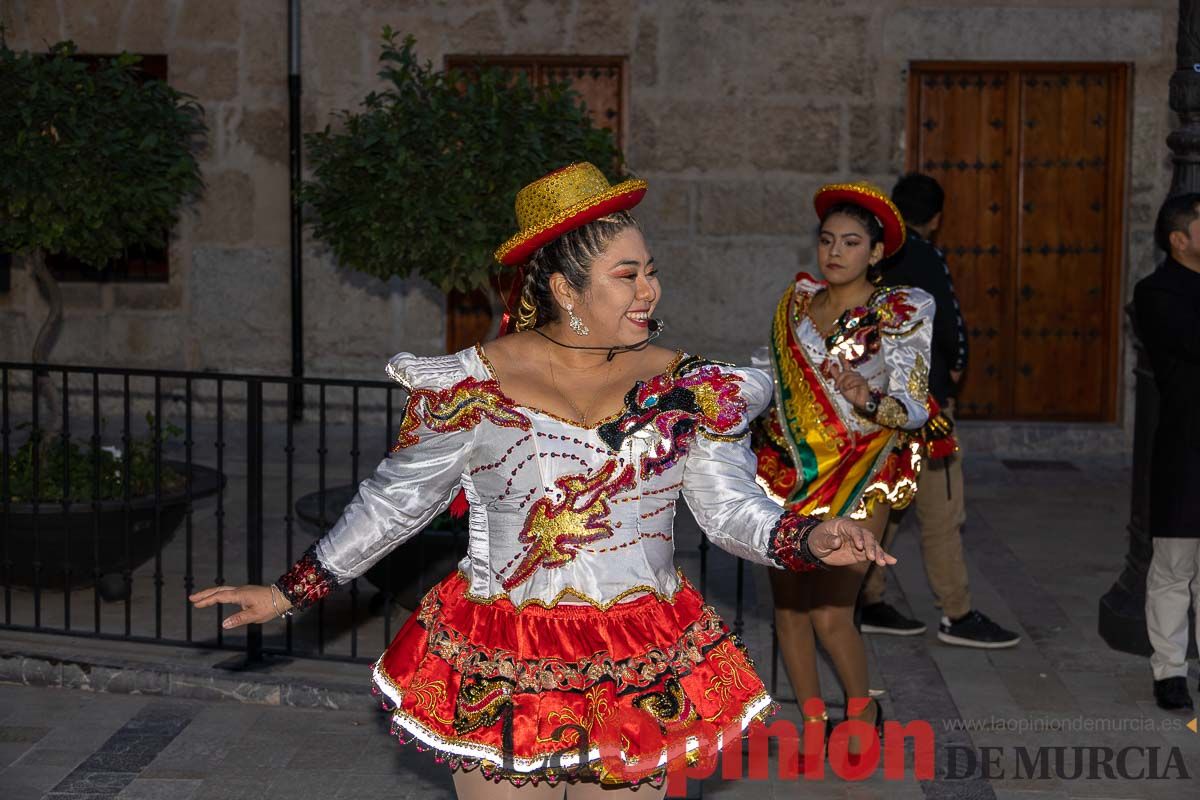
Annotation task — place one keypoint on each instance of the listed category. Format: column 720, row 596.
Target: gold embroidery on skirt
column 430, row 694
column 480, row 704
column 670, row 706
column 729, row 663
column 638, row 671
column 598, row 711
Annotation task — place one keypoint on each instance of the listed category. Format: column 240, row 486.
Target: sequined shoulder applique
column 856, row 334
column 698, row 396
column 898, row 309
column 458, row 408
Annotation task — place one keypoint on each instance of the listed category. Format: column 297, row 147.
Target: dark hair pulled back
column 571, row 254
column 869, row 221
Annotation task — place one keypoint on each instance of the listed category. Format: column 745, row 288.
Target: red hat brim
column 877, row 203
column 621, row 197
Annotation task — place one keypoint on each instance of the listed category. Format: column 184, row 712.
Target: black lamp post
column 297, row 221
column 1123, row 609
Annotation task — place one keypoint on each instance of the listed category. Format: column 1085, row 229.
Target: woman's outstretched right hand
column 255, row 602
column 840, row 542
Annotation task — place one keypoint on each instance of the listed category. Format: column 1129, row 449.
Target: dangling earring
column 576, row 323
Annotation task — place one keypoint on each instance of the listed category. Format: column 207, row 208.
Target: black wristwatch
column 871, row 407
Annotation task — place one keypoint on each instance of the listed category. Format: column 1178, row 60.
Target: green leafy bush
column 422, row 179
column 95, row 161
column 82, row 465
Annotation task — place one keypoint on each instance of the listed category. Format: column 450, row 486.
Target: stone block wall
column 227, row 305
column 736, row 113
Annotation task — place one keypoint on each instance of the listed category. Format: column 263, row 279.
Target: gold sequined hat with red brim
column 566, row 199
column 872, row 199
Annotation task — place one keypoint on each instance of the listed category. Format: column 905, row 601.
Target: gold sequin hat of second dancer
column 871, row 198
column 566, row 199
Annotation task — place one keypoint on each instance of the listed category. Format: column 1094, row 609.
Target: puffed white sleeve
column 905, row 345
column 720, row 488
column 410, row 487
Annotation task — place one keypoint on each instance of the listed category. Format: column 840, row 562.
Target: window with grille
column 599, row 80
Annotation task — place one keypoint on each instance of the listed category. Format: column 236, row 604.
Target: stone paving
column 1043, row 546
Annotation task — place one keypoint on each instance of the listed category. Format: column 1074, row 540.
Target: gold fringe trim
column 417, row 728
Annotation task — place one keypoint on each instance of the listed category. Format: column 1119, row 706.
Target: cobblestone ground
column 1061, row 716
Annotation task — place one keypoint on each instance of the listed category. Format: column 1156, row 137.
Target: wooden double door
column 1032, row 158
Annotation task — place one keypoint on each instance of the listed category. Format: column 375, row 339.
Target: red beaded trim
column 307, row 581
column 788, row 546
column 503, row 458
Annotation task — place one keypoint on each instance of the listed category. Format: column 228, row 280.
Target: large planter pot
column 406, row 573
column 87, row 541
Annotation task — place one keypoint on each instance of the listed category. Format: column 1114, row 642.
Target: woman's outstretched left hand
column 840, row 542
column 255, row 602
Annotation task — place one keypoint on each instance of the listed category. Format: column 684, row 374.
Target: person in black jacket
column 939, row 501
column 1167, row 315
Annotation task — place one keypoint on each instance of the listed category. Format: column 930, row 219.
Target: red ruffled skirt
column 621, row 695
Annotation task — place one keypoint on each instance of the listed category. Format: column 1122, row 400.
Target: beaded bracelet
column 280, row 614
column 806, row 552
column 788, row 543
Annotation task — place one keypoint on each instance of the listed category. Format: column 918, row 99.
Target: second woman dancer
column 851, row 364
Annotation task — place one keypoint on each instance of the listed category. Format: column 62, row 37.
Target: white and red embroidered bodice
column 561, row 512
column 886, row 341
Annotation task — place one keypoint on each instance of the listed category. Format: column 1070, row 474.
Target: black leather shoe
column 1171, row 694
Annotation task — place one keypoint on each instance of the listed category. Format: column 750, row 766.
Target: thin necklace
column 581, row 416
column 656, row 331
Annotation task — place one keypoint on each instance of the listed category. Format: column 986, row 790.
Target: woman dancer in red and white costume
column 567, row 654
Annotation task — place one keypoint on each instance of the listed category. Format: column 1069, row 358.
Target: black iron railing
column 111, row 507
column 155, row 483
